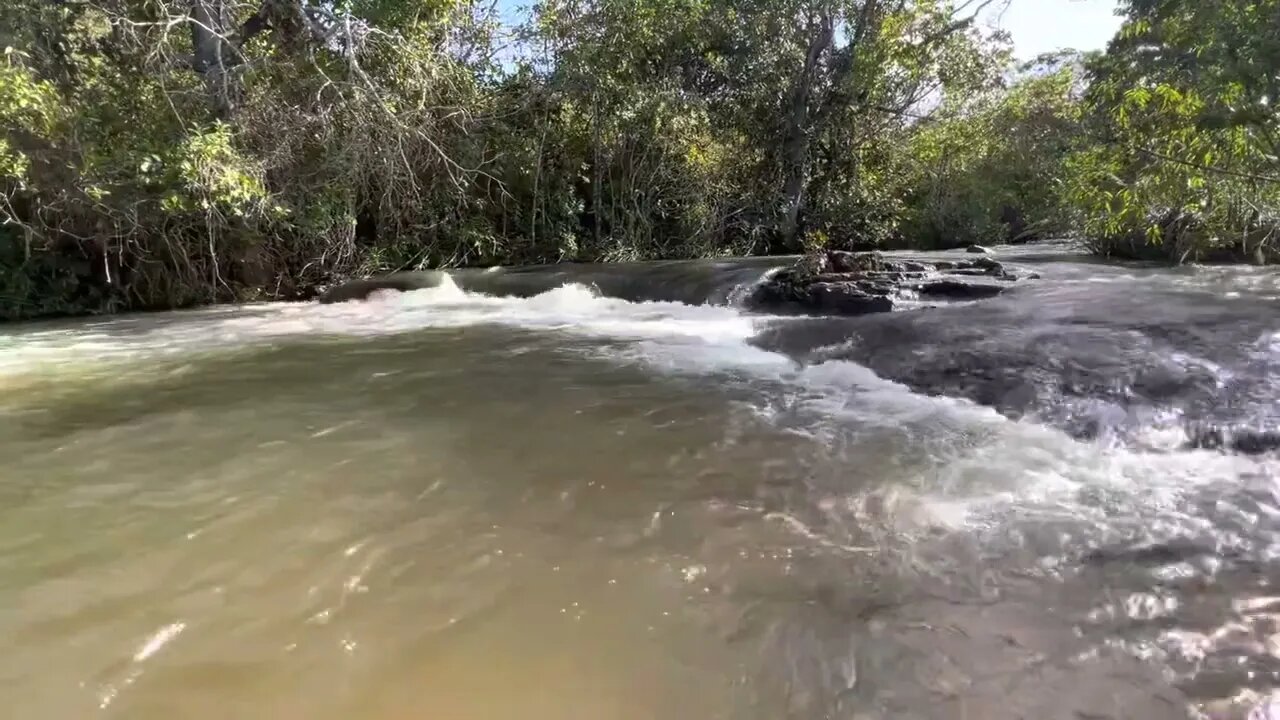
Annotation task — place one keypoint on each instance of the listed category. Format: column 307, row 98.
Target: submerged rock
column 361, row 289
column 847, row 283
column 1153, row 555
column 978, row 250
column 1241, row 439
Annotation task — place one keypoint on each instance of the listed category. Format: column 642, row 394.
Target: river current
column 613, row 493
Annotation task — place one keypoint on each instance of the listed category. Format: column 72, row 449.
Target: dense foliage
column 1185, row 138
column 986, row 168
column 158, row 153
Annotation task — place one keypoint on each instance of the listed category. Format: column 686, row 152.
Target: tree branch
column 1208, row 168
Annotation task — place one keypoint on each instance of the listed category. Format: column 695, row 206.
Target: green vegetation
column 161, row 153
column 1182, row 158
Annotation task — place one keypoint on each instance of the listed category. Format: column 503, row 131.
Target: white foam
column 571, row 308
column 980, row 458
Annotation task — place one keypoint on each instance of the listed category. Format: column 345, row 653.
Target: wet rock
column 1241, row 439
column 920, row 267
column 847, row 283
column 841, row 261
column 849, row 298
column 958, row 289
column 885, row 279
column 970, row 272
column 977, row 250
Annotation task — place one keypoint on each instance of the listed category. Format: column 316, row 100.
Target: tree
column 187, row 151
column 1185, row 162
column 822, row 78
column 166, row 153
column 987, row 168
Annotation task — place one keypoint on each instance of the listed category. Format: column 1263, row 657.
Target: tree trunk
column 796, row 159
column 211, row 54
column 596, row 177
column 828, row 70
column 215, row 48
column 799, row 132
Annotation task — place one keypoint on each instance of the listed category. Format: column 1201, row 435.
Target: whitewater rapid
column 993, row 465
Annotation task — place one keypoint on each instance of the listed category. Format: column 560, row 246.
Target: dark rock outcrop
column 845, row 283
column 958, row 289
column 849, row 298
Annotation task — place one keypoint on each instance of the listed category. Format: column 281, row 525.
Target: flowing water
column 606, row 493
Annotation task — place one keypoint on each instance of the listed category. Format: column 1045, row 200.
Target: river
column 611, row 493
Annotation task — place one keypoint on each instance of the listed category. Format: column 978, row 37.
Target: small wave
column 970, row 453
column 571, row 308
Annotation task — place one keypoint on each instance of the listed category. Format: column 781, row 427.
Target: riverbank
column 80, row 289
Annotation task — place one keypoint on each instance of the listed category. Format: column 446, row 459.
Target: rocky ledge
column 847, row 283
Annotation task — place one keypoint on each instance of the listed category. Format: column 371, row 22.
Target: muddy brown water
column 607, row 493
